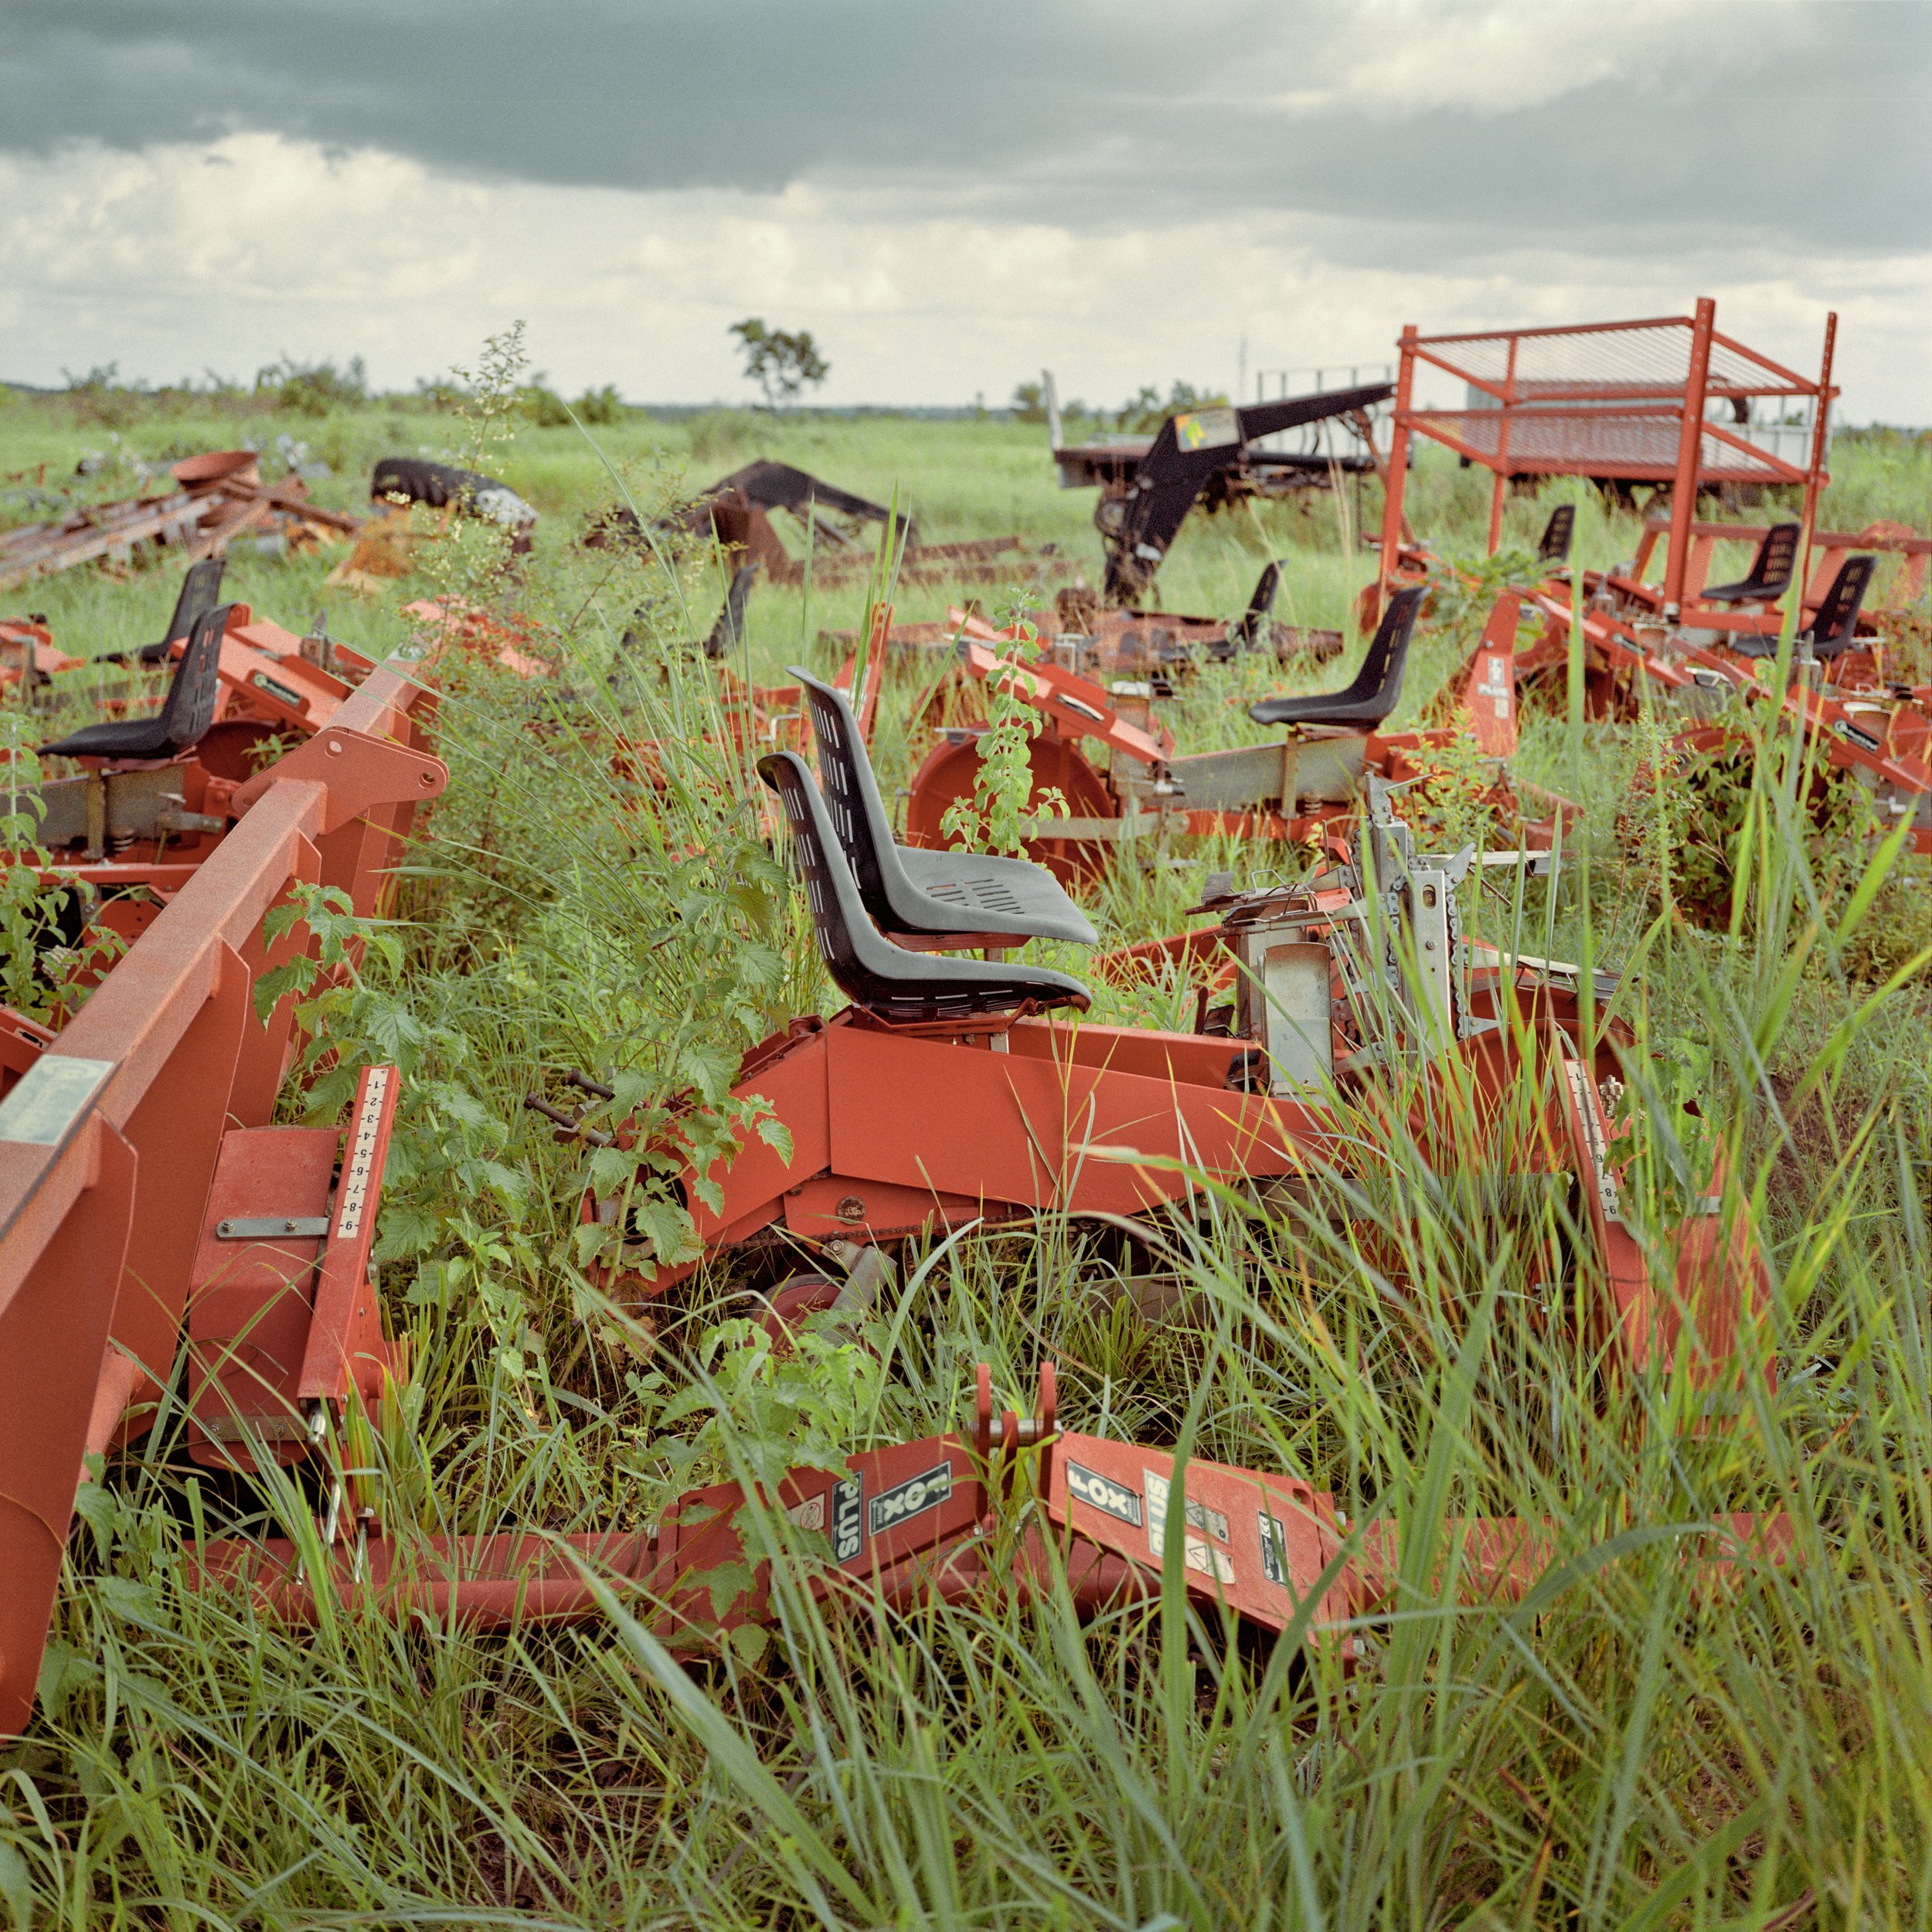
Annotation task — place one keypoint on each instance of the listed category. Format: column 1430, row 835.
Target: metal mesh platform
column 1667, row 400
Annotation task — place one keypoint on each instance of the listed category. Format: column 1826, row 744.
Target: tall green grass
column 1627, row 1746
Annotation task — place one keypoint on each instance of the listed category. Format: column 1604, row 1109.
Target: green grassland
column 1626, row 1747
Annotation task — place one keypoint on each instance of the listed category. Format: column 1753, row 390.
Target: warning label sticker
column 1199, row 1515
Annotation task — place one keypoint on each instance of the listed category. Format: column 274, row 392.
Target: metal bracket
column 269, row 1227
column 359, row 771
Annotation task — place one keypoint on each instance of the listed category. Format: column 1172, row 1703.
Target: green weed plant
column 1636, row 1742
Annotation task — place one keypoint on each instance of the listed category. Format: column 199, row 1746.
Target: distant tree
column 780, row 362
column 1145, row 413
column 313, row 389
column 1029, row 402
column 548, row 410
column 542, row 404
column 603, row 405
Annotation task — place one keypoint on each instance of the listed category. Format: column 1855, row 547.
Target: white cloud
column 1390, row 58
column 225, row 255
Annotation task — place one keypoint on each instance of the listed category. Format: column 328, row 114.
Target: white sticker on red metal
column 1103, row 1493
column 359, row 1166
column 1199, row 1515
column 912, row 1497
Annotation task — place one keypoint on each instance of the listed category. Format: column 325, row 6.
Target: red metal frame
column 913, row 1524
column 109, row 1140
column 1621, row 400
column 899, row 1132
column 1076, row 711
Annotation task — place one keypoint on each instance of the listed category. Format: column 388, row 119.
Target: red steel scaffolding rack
column 1625, row 402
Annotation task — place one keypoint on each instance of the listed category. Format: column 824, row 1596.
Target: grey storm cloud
column 1073, row 110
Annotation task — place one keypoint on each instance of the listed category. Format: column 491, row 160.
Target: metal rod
column 1690, row 447
column 1820, row 415
column 1398, row 463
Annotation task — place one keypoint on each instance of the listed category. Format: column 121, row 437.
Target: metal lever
column 572, row 1125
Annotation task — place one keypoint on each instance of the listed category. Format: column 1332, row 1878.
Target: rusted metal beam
column 108, row 1141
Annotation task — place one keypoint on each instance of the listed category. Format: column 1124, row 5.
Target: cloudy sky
column 950, row 196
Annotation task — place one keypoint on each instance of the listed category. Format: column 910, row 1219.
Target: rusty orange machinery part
column 221, row 496
column 1083, row 722
column 1626, row 591
column 1020, row 1507
column 1829, row 549
column 275, row 689
column 1866, row 725
column 28, row 656
column 899, row 1132
column 111, row 1132
column 1883, row 737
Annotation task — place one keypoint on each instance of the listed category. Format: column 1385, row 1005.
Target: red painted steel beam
column 1821, row 412
column 1397, row 480
column 108, row 1143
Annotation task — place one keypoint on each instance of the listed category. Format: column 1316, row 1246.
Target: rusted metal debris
column 389, row 542
column 221, row 497
column 1081, row 633
column 1211, row 457
column 736, row 512
column 1017, row 1508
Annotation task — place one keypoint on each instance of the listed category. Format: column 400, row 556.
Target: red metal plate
column 1258, row 1543
column 250, row 1303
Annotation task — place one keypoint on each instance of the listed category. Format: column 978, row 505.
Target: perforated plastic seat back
column 1376, row 688
column 905, row 890
column 200, row 591
column 1769, row 575
column 872, row 972
column 1558, row 534
column 192, row 697
column 852, row 792
column 1835, row 625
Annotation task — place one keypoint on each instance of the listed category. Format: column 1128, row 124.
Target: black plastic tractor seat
column 1770, row 575
column 185, row 715
column 1558, row 532
column 911, row 893
column 909, row 988
column 1249, row 629
column 1377, row 689
column 1830, row 633
column 200, row 591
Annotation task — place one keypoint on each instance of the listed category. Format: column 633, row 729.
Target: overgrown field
column 1623, row 1748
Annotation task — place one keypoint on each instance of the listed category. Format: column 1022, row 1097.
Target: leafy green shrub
column 600, row 407
column 312, row 388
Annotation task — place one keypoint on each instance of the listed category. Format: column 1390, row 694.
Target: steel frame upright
column 1690, row 445
column 1393, row 490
